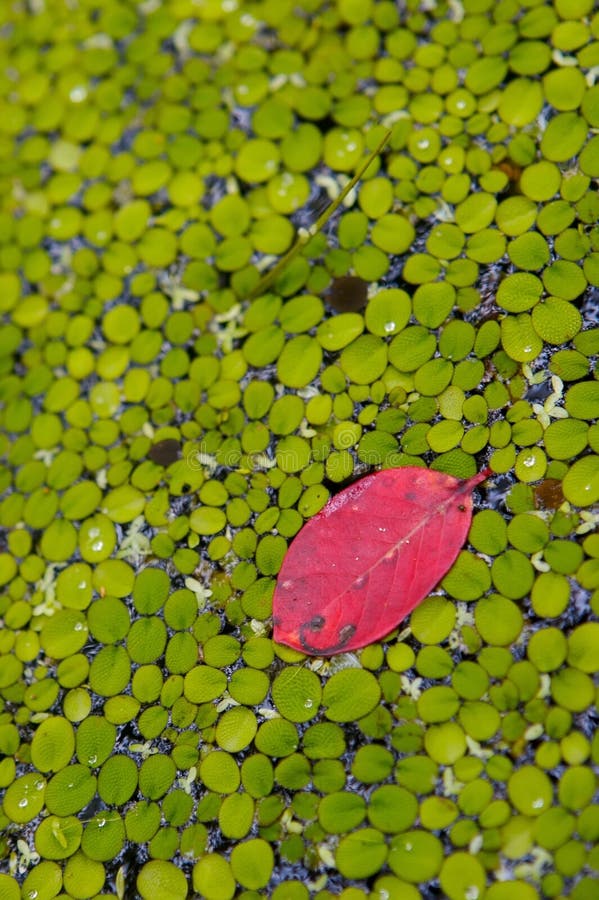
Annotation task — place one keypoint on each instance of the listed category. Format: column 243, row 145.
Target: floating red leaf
column 369, row 557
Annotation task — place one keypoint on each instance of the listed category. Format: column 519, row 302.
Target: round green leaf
column 350, row 694
column 296, row 693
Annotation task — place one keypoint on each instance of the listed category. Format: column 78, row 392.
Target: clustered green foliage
column 168, row 424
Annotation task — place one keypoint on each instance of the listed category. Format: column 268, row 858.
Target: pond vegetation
column 172, row 414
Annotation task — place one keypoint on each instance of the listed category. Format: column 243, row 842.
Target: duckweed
column 174, row 405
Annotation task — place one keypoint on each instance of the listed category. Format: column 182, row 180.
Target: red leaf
column 369, row 557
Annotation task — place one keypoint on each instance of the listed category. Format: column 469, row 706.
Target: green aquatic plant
column 164, row 437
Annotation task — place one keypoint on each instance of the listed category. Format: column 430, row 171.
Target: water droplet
column 101, row 823
column 92, row 760
column 389, row 326
column 528, row 462
column 382, row 528
column 78, row 93
column 308, row 704
column 97, row 546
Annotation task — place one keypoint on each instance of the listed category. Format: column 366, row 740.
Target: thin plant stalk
column 306, row 234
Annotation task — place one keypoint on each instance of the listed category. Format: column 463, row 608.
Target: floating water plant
column 176, row 405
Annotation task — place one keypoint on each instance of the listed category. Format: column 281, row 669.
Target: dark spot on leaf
column 165, row 452
column 548, row 494
column 316, row 623
column 461, row 507
column 347, row 293
column 346, row 633
column 511, row 169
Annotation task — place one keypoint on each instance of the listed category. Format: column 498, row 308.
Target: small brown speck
column 165, row 452
column 347, row 293
column 548, row 494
